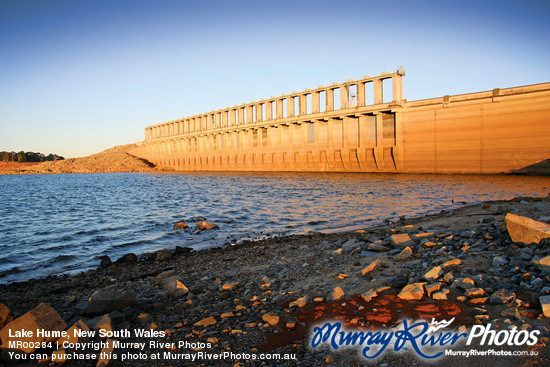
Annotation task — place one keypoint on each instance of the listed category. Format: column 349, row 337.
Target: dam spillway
column 349, row 127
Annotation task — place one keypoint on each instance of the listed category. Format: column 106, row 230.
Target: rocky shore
column 481, row 264
column 114, row 159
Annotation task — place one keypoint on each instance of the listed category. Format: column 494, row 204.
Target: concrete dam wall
column 349, row 127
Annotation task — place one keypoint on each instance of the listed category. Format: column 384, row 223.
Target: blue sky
column 80, row 76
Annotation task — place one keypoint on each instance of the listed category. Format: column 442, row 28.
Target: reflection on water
column 58, row 223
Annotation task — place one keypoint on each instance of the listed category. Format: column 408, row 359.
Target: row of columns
column 377, row 132
column 273, row 109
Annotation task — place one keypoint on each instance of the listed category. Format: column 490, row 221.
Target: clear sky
column 80, row 76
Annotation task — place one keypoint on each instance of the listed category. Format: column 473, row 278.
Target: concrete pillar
column 330, row 99
column 397, row 85
column 259, row 112
column 315, row 102
column 241, row 115
column 249, row 114
column 233, row 117
column 279, row 108
column 269, row 110
column 344, row 96
column 303, row 103
column 290, row 106
column 378, row 94
column 360, row 94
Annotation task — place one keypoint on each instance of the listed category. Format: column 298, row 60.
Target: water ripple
column 58, row 223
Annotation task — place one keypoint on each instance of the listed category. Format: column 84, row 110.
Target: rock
column 175, row 288
column 165, row 275
column 229, row 286
column 204, row 225
column 526, row 230
column 434, row 273
column 502, row 296
column 453, row 262
column 300, row 302
column 206, row 322
column 337, row 293
column 431, row 288
column 369, row 268
column 182, row 250
column 368, row 296
column 43, row 317
column 291, row 322
column 270, row 319
column 181, row 225
column 466, row 283
column 72, row 336
column 105, row 262
column 164, row 255
column 106, row 354
column 448, row 277
column 543, row 263
column 226, row 315
column 128, row 258
column 405, row 254
column 439, row 296
column 474, row 292
column 377, row 247
column 545, row 305
column 401, row 240
column 413, row 291
column 103, row 322
column 500, row 260
column 106, row 301
column 479, row 300
column 5, row 315
column 399, row 281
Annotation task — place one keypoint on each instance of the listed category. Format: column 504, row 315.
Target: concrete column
column 330, row 99
column 241, row 115
column 344, row 96
column 397, row 85
column 315, row 102
column 232, row 117
column 378, row 94
column 360, row 94
column 259, row 112
column 269, row 110
column 249, row 114
column 290, row 106
column 279, row 108
column 303, row 103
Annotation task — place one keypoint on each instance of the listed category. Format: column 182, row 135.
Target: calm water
column 61, row 223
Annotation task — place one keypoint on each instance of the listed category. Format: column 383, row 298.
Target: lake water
column 52, row 224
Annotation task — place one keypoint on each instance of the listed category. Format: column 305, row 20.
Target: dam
column 351, row 127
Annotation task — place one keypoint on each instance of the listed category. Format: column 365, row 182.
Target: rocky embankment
column 115, row 159
column 482, row 264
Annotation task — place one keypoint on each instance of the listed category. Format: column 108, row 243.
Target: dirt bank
column 239, row 298
column 115, row 159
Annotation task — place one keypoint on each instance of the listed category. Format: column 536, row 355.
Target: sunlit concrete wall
column 350, row 127
column 499, row 131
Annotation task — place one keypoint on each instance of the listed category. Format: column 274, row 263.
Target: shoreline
column 238, row 285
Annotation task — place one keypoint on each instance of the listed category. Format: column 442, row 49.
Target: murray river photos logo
column 427, row 340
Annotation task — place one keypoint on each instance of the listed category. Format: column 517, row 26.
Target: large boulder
column 526, row 230
column 102, row 302
column 43, row 318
